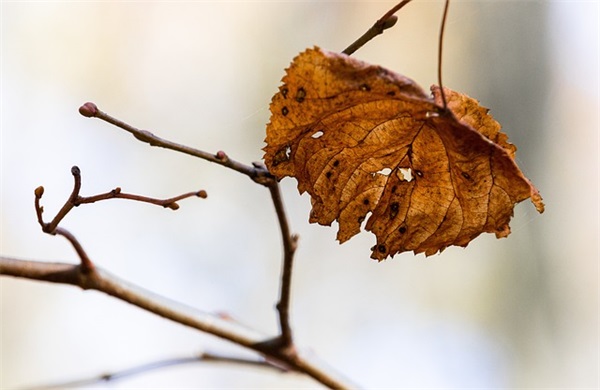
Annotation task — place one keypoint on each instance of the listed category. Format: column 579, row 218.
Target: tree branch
column 205, row 357
column 257, row 174
column 289, row 248
column 386, row 21
column 279, row 350
column 101, row 280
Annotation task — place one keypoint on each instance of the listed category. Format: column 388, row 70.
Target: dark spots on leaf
column 284, row 92
column 394, row 188
column 402, row 229
column 365, row 87
column 336, row 163
column 284, row 111
column 282, row 155
column 300, row 95
column 466, row 175
column 361, row 219
column 394, row 207
column 381, row 248
column 328, row 174
column 391, row 93
column 366, row 202
column 418, row 173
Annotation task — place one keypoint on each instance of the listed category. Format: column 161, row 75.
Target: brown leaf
column 361, row 139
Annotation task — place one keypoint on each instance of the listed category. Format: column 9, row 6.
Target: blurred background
column 520, row 312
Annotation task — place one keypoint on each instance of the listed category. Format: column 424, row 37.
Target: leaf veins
column 366, row 142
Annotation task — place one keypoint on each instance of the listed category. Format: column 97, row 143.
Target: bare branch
column 87, row 265
column 386, row 21
column 257, row 174
column 101, row 280
column 289, row 248
column 170, row 203
column 205, row 357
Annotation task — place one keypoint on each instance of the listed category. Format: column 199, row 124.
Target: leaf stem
column 440, row 47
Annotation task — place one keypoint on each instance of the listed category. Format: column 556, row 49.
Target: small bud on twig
column 221, row 155
column 389, row 22
column 39, row 192
column 88, row 110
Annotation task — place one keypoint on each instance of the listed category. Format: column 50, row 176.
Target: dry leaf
column 361, row 139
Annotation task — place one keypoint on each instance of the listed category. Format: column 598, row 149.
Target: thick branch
column 101, row 280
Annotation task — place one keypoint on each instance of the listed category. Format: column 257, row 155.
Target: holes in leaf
column 432, row 114
column 362, row 221
column 405, row 174
column 385, row 171
column 282, row 155
column 318, row 134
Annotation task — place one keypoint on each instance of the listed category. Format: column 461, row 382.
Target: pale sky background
column 520, row 312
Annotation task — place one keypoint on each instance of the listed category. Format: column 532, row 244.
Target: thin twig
column 205, row 357
column 289, row 248
column 86, row 264
column 69, row 204
column 440, row 46
column 170, row 203
column 261, row 176
column 107, row 283
column 258, row 173
column 75, row 200
column 386, row 21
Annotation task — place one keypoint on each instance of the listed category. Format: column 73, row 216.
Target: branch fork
column 280, row 351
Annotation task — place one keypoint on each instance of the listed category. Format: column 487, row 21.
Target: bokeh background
column 521, row 312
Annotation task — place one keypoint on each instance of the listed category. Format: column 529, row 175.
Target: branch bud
column 221, row 155
column 88, row 110
column 202, row 194
column 39, row 192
